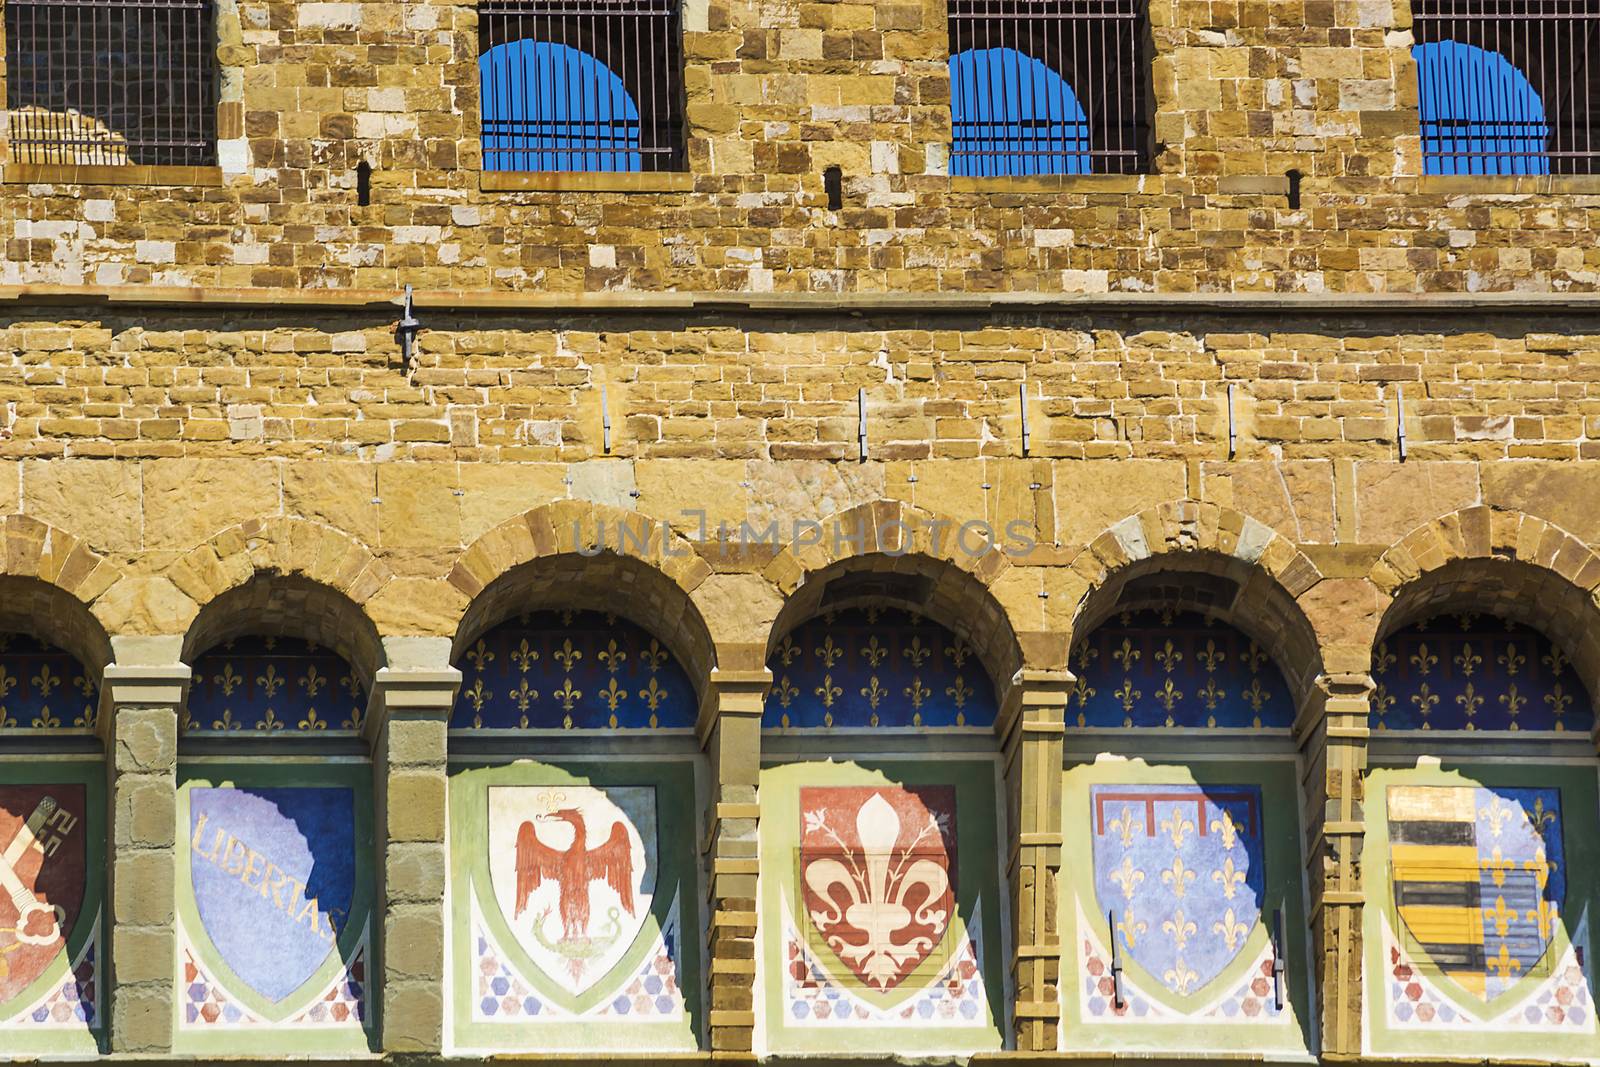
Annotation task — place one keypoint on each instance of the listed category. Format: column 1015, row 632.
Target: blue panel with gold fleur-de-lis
column 1170, row 668
column 273, row 686
column 876, row 667
column 43, row 687
column 575, row 670
column 1475, row 672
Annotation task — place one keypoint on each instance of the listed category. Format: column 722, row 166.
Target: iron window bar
column 109, row 82
column 1507, row 86
column 581, row 86
column 1049, row 87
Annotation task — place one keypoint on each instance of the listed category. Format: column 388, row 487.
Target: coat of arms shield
column 1478, row 877
column 1179, row 869
column 43, row 864
column 573, row 869
column 877, row 875
column 273, row 871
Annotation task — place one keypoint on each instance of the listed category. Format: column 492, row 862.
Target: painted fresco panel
column 1187, row 871
column 881, row 914
column 51, row 859
column 275, row 890
column 1479, row 883
column 574, row 899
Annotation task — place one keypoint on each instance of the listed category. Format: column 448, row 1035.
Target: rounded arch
column 1499, row 562
column 1001, row 98
column 547, row 105
column 1478, row 112
column 1210, row 559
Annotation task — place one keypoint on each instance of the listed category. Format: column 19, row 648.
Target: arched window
column 1181, row 798
column 1053, row 87
column 575, row 784
column 564, row 91
column 1479, row 113
column 878, row 748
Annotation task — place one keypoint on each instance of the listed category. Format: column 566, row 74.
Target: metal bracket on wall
column 605, row 422
column 861, row 424
column 1400, row 418
column 1118, row 1000
column 1233, row 431
column 1277, row 959
column 1022, row 399
column 405, row 332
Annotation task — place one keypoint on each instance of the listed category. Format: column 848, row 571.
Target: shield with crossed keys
column 43, row 863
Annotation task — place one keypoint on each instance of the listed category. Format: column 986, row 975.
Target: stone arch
column 593, row 557
column 1212, row 558
column 319, row 554
column 1502, row 562
column 889, row 553
column 49, row 582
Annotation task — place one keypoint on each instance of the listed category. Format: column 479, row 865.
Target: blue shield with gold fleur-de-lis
column 1478, row 876
column 1179, row 869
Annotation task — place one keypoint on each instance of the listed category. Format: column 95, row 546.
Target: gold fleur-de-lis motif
column 480, row 655
column 874, row 693
column 828, row 652
column 1085, row 693
column 349, row 684
column 227, row 722
column 958, row 693
column 1211, row 656
column 1556, row 660
column 1177, row 828
column 613, row 695
column 1558, row 699
column 1168, row 695
column 568, row 655
column 84, row 684
column 269, row 722
column 477, row 694
column 1254, row 658
column 1513, row 701
column 916, row 692
column 270, row 681
column 1470, row 700
column 568, row 696
column 1180, row 928
column 1425, row 699
column 1177, row 877
column 523, row 694
column 612, row 657
column 828, row 691
column 1168, row 656
column 785, row 692
column 312, row 721
column 1503, row 964
column 1126, row 825
column 1497, row 866
column 1497, row 814
column 1384, row 658
column 91, row 716
column 45, row 681
column 1230, row 877
column 1541, row 817
column 1130, row 928
column 1227, row 828
column 1127, row 878
column 1231, row 929
column 1503, row 916
column 958, row 651
column 1467, row 660
column 1256, row 695
column 44, row 720
column 787, row 650
column 1084, row 656
column 1126, row 656
column 1128, row 695
column 872, row 652
column 1544, row 915
column 1423, row 660
column 524, row 656
column 354, row 721
column 653, row 695
column 6, row 721
column 1179, row 977
column 916, row 652
column 1212, row 694
column 312, row 682
column 1382, row 701
column 1511, row 659
column 654, row 657
column 228, row 680
column 7, row 682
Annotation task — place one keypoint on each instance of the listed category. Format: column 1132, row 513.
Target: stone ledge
column 129, row 174
column 1051, row 183
column 1504, row 184
column 508, row 181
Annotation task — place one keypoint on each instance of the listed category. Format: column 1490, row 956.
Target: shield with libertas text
column 42, row 870
column 274, row 873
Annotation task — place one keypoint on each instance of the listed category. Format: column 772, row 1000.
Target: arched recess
column 1479, row 114
column 1481, row 784
column 584, row 672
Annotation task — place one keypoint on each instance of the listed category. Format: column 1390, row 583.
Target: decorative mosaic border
column 74, row 1002
column 208, row 1007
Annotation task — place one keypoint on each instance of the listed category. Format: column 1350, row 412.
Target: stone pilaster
column 730, row 731
column 1031, row 728
column 1334, row 746
column 410, row 710
column 139, row 714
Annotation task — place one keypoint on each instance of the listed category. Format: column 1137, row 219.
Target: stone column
column 140, row 708
column 407, row 720
column 1031, row 727
column 730, row 732
column 1334, row 745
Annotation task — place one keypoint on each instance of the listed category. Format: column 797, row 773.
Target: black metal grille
column 111, row 81
column 581, row 86
column 1507, row 86
column 1048, row 87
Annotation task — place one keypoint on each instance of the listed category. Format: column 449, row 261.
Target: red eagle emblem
column 573, row 868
